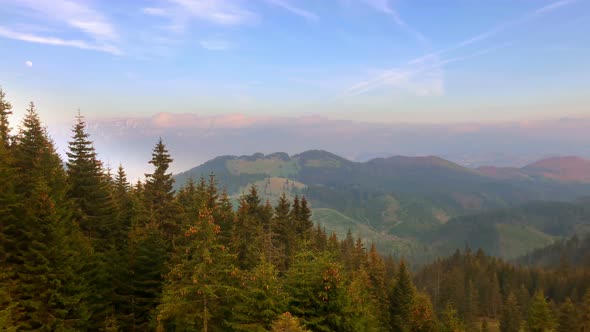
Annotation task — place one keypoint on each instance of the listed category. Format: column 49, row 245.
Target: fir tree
column 260, row 300
column 402, row 298
column 539, row 317
column 450, row 320
column 287, row 323
column 200, row 280
column 584, row 312
column 5, row 112
column 568, row 318
column 159, row 193
column 510, row 319
column 422, row 318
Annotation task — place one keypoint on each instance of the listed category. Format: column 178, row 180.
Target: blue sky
column 369, row 60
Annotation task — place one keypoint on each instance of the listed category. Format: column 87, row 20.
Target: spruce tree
column 95, row 212
column 422, row 317
column 9, row 205
column 584, row 312
column 199, row 281
column 159, row 193
column 5, row 112
column 539, row 317
column 450, row 320
column 46, row 247
column 402, row 298
column 510, row 319
column 285, row 237
column 260, row 299
column 568, row 318
column 248, row 230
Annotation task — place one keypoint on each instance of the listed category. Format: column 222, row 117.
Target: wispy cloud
column 32, row 38
column 384, row 7
column 406, row 75
column 295, row 10
column 423, row 78
column 78, row 16
column 527, row 17
column 218, row 12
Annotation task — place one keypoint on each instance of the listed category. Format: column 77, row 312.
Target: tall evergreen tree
column 568, row 318
column 159, row 193
column 89, row 188
column 450, row 320
column 9, row 204
column 540, row 318
column 5, row 112
column 402, row 298
column 248, row 230
column 584, row 312
column 510, row 319
column 46, row 247
column 200, row 280
column 95, row 212
column 260, row 299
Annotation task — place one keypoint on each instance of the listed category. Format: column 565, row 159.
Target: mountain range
column 415, row 205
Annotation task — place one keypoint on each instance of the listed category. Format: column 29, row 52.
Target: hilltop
column 398, row 202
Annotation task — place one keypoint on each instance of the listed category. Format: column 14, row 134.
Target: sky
column 424, row 61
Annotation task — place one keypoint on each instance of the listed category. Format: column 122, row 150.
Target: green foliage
column 450, row 320
column 287, row 323
column 200, row 279
column 81, row 251
column 584, row 312
column 568, row 317
column 260, row 299
column 511, row 318
column 402, row 299
column 540, row 317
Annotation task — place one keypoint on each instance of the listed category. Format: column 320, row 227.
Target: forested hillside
column 82, row 249
column 419, row 207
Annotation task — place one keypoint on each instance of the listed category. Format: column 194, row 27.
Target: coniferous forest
column 82, row 249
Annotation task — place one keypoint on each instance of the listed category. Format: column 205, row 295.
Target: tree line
column 82, row 249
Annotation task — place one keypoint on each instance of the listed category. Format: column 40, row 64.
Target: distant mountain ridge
column 569, row 168
column 406, row 198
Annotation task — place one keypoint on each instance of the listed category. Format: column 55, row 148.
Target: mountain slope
column 566, row 169
column 398, row 197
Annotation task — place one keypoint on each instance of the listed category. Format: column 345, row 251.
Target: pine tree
column 5, row 112
column 450, row 320
column 147, row 265
column 248, row 230
column 159, row 193
column 287, row 323
column 422, row 318
column 377, row 276
column 303, row 223
column 285, row 237
column 46, row 247
column 315, row 285
column 199, row 281
column 568, row 318
column 260, row 299
column 95, row 212
column 359, row 304
column 510, row 319
column 402, row 298
column 9, row 204
column 89, row 187
column 584, row 312
column 539, row 317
